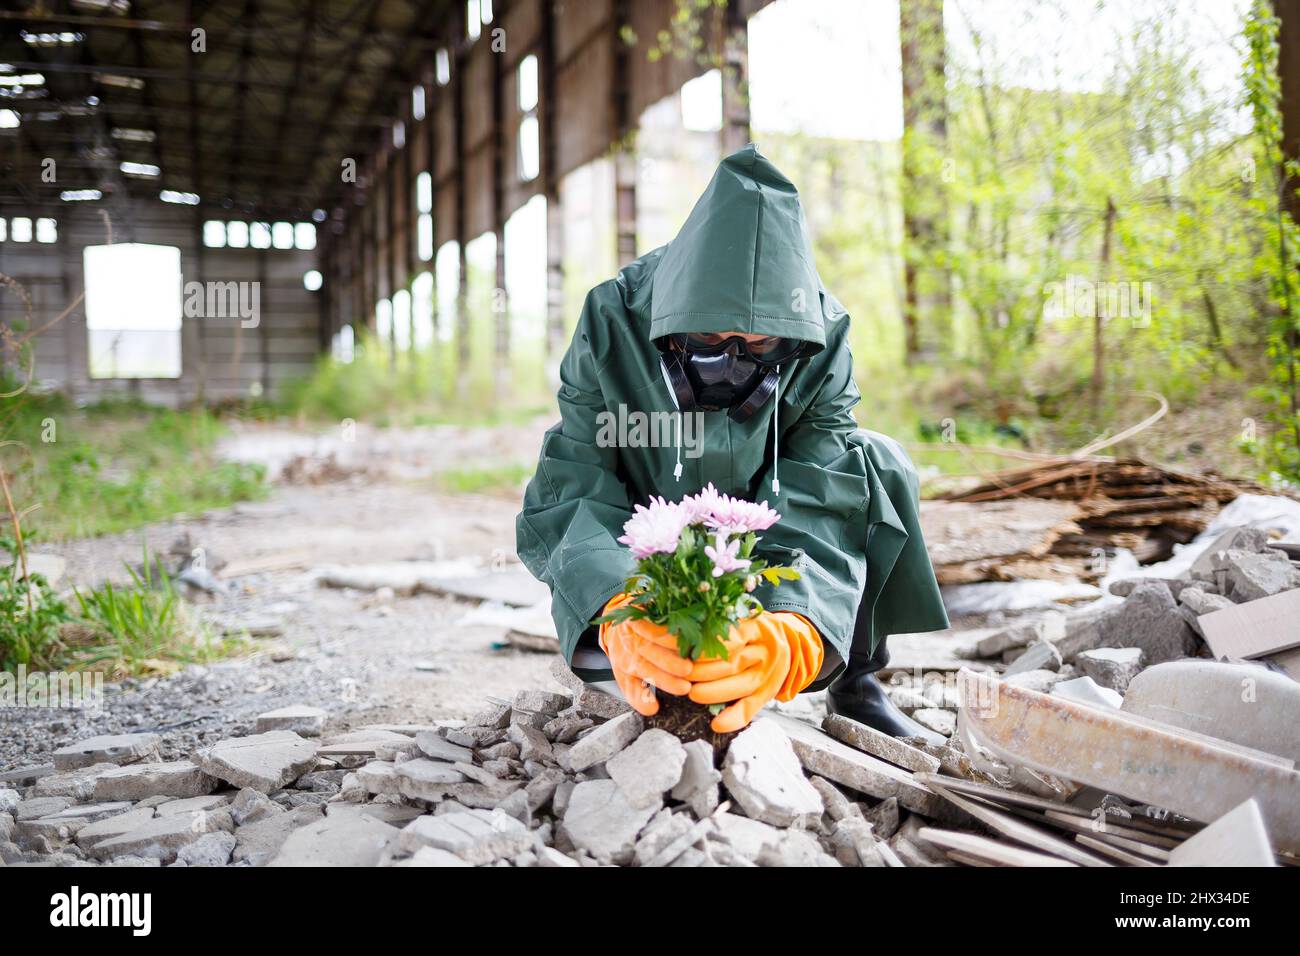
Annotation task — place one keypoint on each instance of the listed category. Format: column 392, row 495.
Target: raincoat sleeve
column 576, row 503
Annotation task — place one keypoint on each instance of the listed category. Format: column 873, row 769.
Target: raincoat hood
column 743, row 260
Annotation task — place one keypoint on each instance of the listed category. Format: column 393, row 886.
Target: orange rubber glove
column 769, row 656
column 643, row 656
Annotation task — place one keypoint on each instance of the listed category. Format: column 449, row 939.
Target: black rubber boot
column 859, row 695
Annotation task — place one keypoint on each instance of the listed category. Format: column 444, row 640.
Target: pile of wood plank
column 1118, row 502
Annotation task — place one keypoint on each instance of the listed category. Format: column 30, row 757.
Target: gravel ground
column 362, row 658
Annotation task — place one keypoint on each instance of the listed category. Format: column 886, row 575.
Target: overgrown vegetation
column 144, row 627
column 116, row 465
column 31, row 614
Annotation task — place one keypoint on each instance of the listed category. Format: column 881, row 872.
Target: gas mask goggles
column 711, row 371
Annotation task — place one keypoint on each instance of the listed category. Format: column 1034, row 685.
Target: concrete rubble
column 1106, row 736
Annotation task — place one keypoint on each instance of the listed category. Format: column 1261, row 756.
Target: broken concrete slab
column 1148, row 619
column 161, row 837
column 1256, row 629
column 1250, row 576
column 1238, row 838
column 112, row 826
column 532, row 743
column 698, row 785
column 1116, row 753
column 112, row 748
column 343, row 840
column 1049, row 627
column 193, row 805
column 211, row 849
column 599, row 819
column 431, row 856
column 1012, row 827
column 256, row 844
column 994, row 851
column 649, row 766
column 1111, row 667
column 34, row 808
column 1241, row 703
column 1200, row 602
column 438, row 747
column 264, row 762
column 1039, row 656
column 477, row 837
column 512, row 585
column 605, row 741
column 596, row 703
column 300, row 719
column 77, row 785
column 177, row 779
column 822, row 754
column 423, row 779
column 764, row 776
column 937, row 719
column 878, row 744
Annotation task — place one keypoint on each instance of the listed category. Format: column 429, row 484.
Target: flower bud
column 705, row 586
column 751, row 582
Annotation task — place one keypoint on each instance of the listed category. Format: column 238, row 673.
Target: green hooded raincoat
column 848, row 498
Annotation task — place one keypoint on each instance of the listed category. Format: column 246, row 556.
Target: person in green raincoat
column 727, row 334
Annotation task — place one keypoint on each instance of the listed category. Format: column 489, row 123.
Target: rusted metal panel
column 1116, row 752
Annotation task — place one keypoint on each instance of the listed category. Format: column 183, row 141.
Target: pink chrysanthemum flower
column 738, row 516
column 656, row 529
column 724, row 555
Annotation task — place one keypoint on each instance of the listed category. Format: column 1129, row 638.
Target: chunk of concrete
column 939, row 720
column 1238, row 838
column 112, row 748
column 1149, row 619
column 1085, row 690
column 1243, row 538
column 698, row 785
column 1250, row 576
column 298, row 718
column 764, row 776
column 475, row 836
column 353, row 839
column 600, row 820
column 822, row 754
column 1202, row 602
column 265, row 762
column 438, row 747
column 77, row 785
column 1049, row 627
column 879, row 744
column 177, row 779
column 532, row 743
column 1242, row 703
column 113, row 826
column 162, row 837
column 649, row 766
column 605, row 741
column 1111, row 667
column 1039, row 656
column 211, row 849
column 256, row 844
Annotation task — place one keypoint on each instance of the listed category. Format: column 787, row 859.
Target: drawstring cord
column 677, row 472
column 776, row 451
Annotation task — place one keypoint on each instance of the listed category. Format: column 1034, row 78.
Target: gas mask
column 711, row 371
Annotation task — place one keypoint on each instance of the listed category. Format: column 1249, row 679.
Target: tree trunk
column 926, row 277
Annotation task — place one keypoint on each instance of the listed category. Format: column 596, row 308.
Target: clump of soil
column 688, row 721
